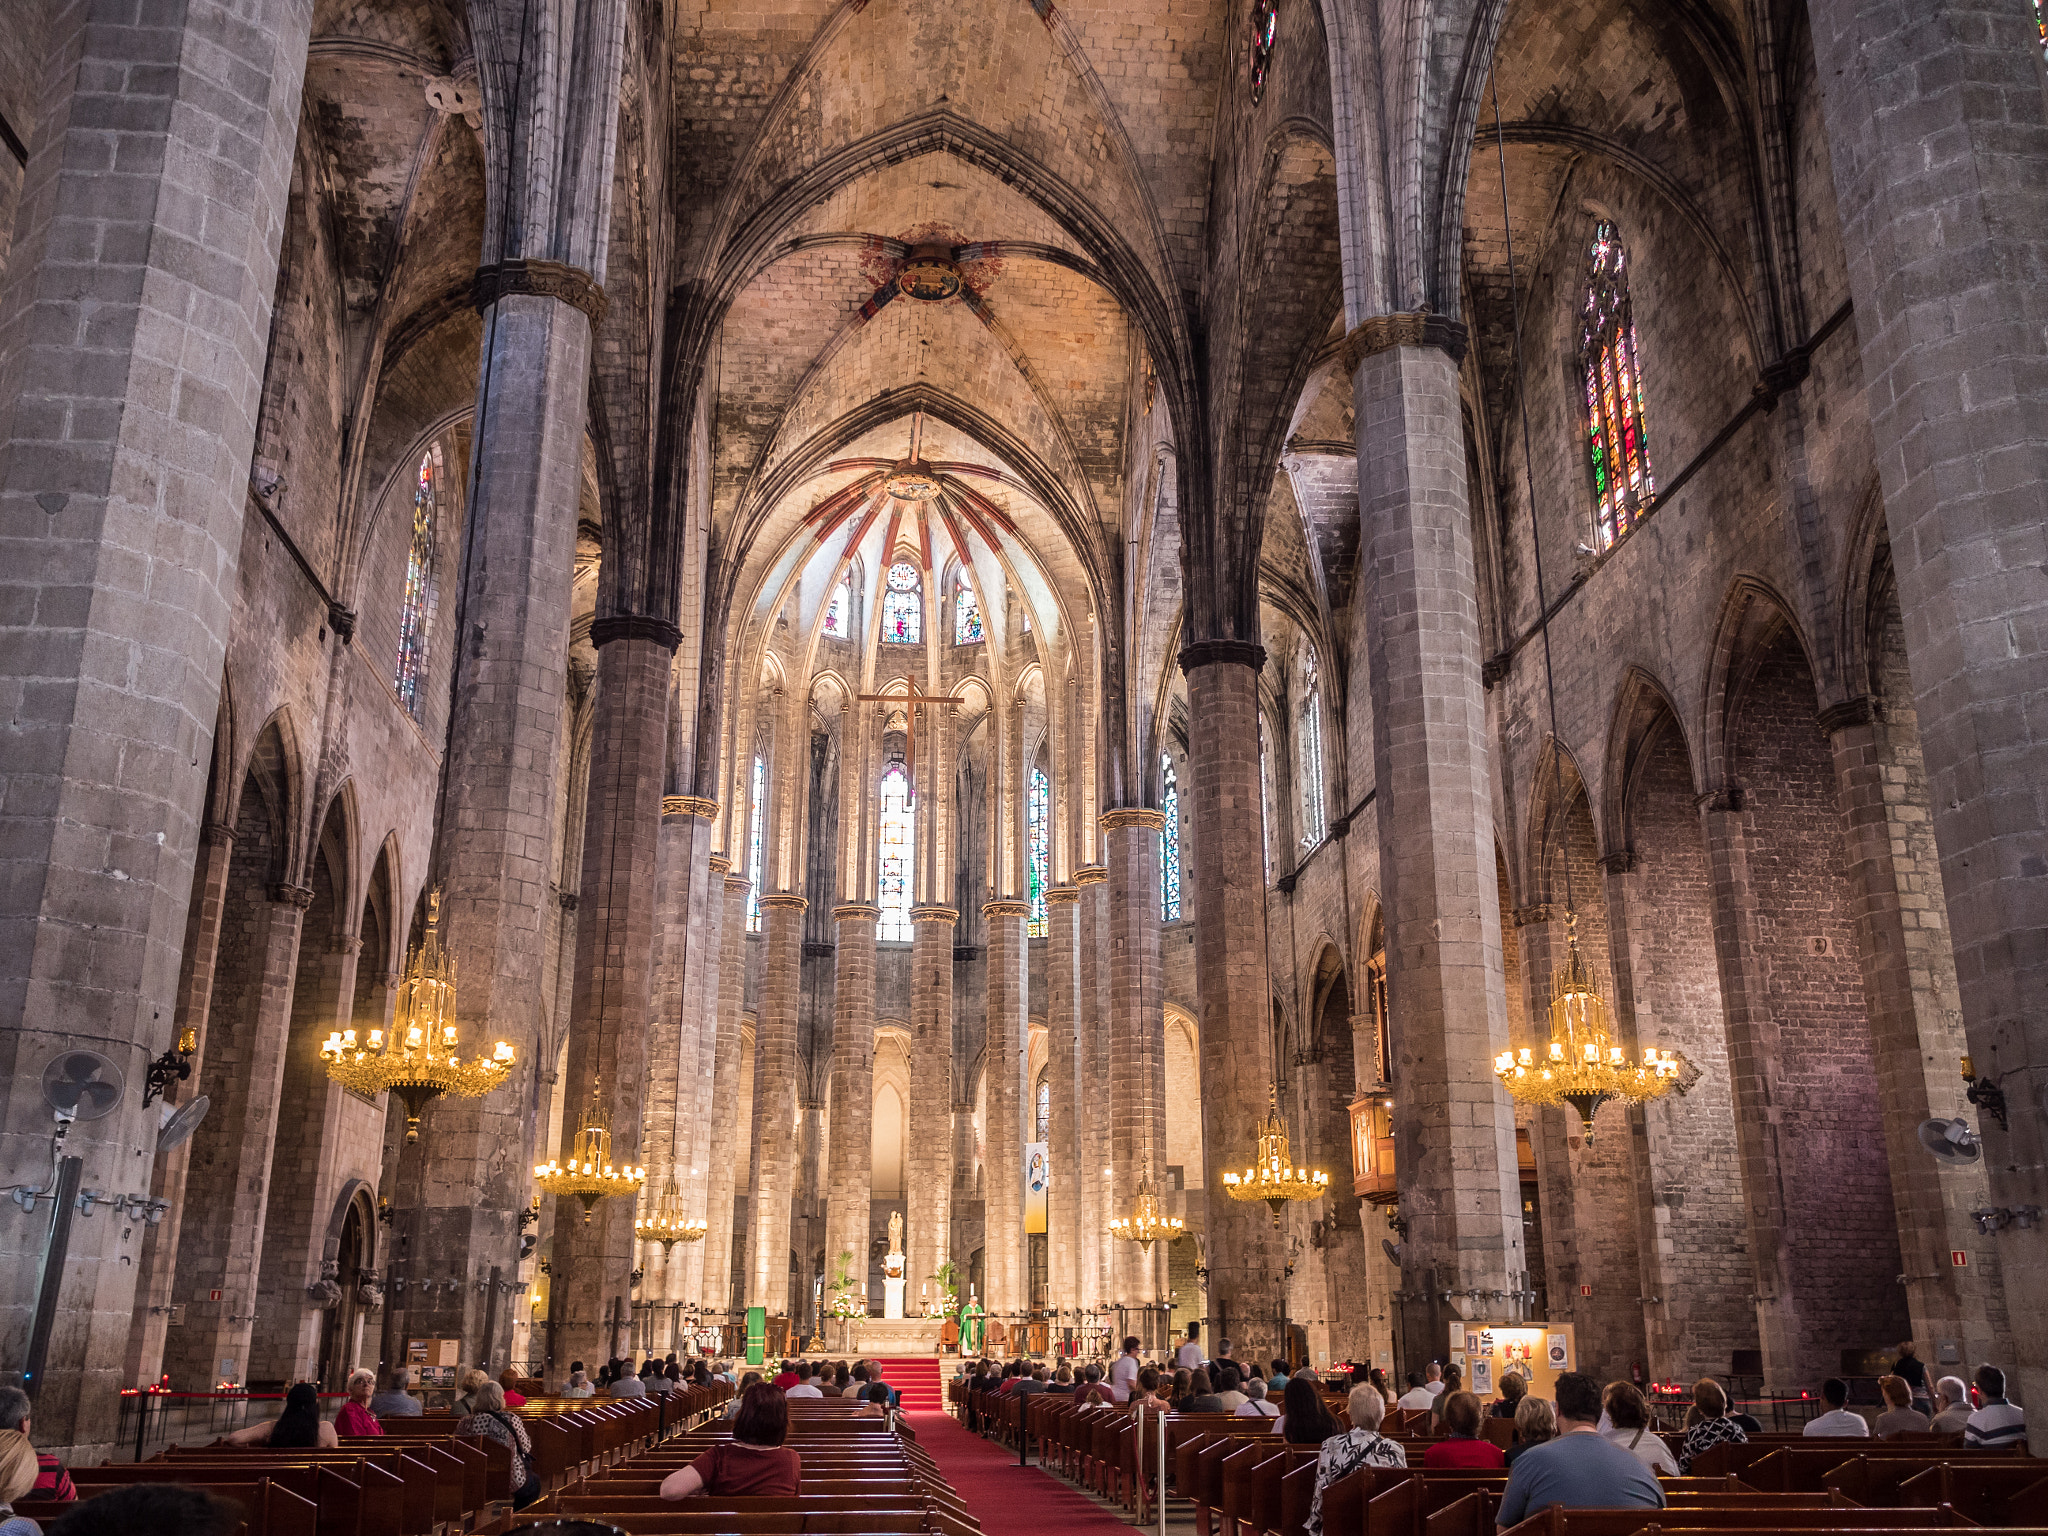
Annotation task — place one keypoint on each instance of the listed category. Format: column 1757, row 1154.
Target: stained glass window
column 899, row 832
column 1265, row 18
column 1040, row 829
column 1617, row 437
column 416, row 615
column 1265, row 801
column 1169, row 841
column 902, row 608
column 1044, row 1110
column 966, row 616
column 2041, row 21
column 839, row 612
column 1312, row 822
column 755, row 817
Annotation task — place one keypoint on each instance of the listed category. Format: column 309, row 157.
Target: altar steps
column 917, row 1378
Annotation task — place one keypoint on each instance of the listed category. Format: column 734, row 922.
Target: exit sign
column 1958, row 1258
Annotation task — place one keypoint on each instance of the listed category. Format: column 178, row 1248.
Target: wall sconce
column 174, row 1066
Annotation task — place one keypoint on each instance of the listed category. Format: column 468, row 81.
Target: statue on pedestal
column 892, row 1268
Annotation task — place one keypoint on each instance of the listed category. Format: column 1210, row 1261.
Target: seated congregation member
column 1900, row 1416
column 754, row 1463
column 490, row 1419
column 1228, row 1392
column 53, row 1483
column 1360, row 1446
column 1417, row 1395
column 626, row 1381
column 17, row 1477
column 874, row 1401
column 1708, row 1423
column 1277, row 1382
column 1580, row 1469
column 1179, row 1386
column 355, row 1417
column 734, row 1403
column 1461, row 1445
column 509, row 1380
column 1951, row 1406
column 1535, row 1424
column 579, row 1384
column 1303, row 1418
column 151, row 1509
column 841, row 1378
column 1628, row 1412
column 1255, row 1404
column 1838, row 1420
column 806, row 1384
column 1512, row 1388
column 787, row 1376
column 1996, row 1421
column 394, row 1402
column 1201, row 1396
column 1031, row 1382
column 465, row 1401
column 1153, row 1390
column 1093, row 1391
column 1062, row 1381
column 299, row 1427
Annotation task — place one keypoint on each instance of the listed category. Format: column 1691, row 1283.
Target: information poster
column 1560, row 1352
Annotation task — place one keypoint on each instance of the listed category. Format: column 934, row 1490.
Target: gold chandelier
column 1274, row 1178
column 666, row 1224
column 1583, row 1067
column 589, row 1174
column 420, row 1058
column 1147, row 1221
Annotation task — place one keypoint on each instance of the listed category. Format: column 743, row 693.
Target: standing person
column 1360, row 1446
column 1952, row 1406
column 17, row 1475
column 1189, row 1355
column 1123, row 1373
column 52, row 1481
column 490, row 1418
column 1578, row 1469
column 394, row 1402
column 754, row 1463
column 1838, row 1420
column 1628, row 1412
column 1900, row 1417
column 299, row 1427
column 355, row 1417
column 1708, row 1424
column 1996, row 1422
column 1912, row 1370
column 1461, row 1445
column 1223, row 1359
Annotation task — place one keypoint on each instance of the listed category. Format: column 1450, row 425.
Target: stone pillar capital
column 734, row 884
column 719, row 864
column 1120, row 817
column 636, row 626
column 217, row 834
column 1413, row 328
column 285, row 894
column 784, row 901
column 1209, row 653
column 1092, row 874
column 856, row 912
column 1847, row 715
column 1062, row 895
column 690, row 805
column 1006, row 908
column 546, row 279
column 933, row 913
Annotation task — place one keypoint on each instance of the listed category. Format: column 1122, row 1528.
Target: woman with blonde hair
column 1535, row 1424
column 18, row 1472
column 1708, row 1424
column 471, row 1380
column 1900, row 1416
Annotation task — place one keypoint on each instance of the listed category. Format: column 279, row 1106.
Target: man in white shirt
column 1189, row 1356
column 1255, row 1405
column 805, row 1386
column 1227, row 1392
column 1123, row 1374
column 1838, row 1420
column 1997, row 1422
column 1433, row 1384
column 1417, row 1395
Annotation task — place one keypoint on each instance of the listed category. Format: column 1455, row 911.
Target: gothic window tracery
column 415, row 617
column 1313, row 824
column 967, row 628
column 839, row 612
column 755, row 817
column 1265, row 800
column 1044, row 1111
column 1169, row 841
column 898, row 838
column 903, row 605
column 1265, row 22
column 1610, row 368
column 1041, row 798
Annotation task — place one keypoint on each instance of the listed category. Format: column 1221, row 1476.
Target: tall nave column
column 928, row 1117
column 612, row 1015
column 722, row 1165
column 679, row 1082
column 851, row 1108
column 136, row 301
column 1135, row 1042
column 1243, row 1248
column 1063, row 1072
column 1935, row 119
column 771, row 1193
column 1091, row 1032
column 1004, row 1065
column 1446, row 983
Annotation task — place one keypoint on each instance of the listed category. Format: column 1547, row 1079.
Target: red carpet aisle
column 1003, row 1496
column 917, row 1379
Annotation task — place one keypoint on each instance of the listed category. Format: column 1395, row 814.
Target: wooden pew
column 268, row 1507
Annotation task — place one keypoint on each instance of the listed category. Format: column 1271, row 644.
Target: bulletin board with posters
column 1537, row 1352
column 433, row 1362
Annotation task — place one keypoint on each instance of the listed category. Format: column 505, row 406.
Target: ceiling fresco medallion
column 930, row 274
column 912, row 481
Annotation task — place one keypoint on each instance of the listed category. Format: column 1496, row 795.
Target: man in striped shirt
column 1996, row 1422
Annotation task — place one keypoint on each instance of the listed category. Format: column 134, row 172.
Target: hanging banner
column 1037, row 1175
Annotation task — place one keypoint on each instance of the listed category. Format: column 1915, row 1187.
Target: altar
column 884, row 1336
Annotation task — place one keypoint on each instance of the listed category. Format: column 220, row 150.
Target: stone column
column 1004, row 1066
column 1935, row 119
column 1091, row 1014
column 928, row 1149
column 1065, row 1076
column 678, row 1089
column 771, row 1190
column 1135, row 1042
column 1909, row 990
column 852, row 1105
column 723, row 1169
column 133, row 322
column 229, row 1178
column 608, row 1062
column 158, row 1264
column 699, row 1066
column 1445, row 980
column 1753, row 1075
column 498, row 824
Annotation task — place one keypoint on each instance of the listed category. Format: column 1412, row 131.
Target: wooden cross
column 912, row 701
